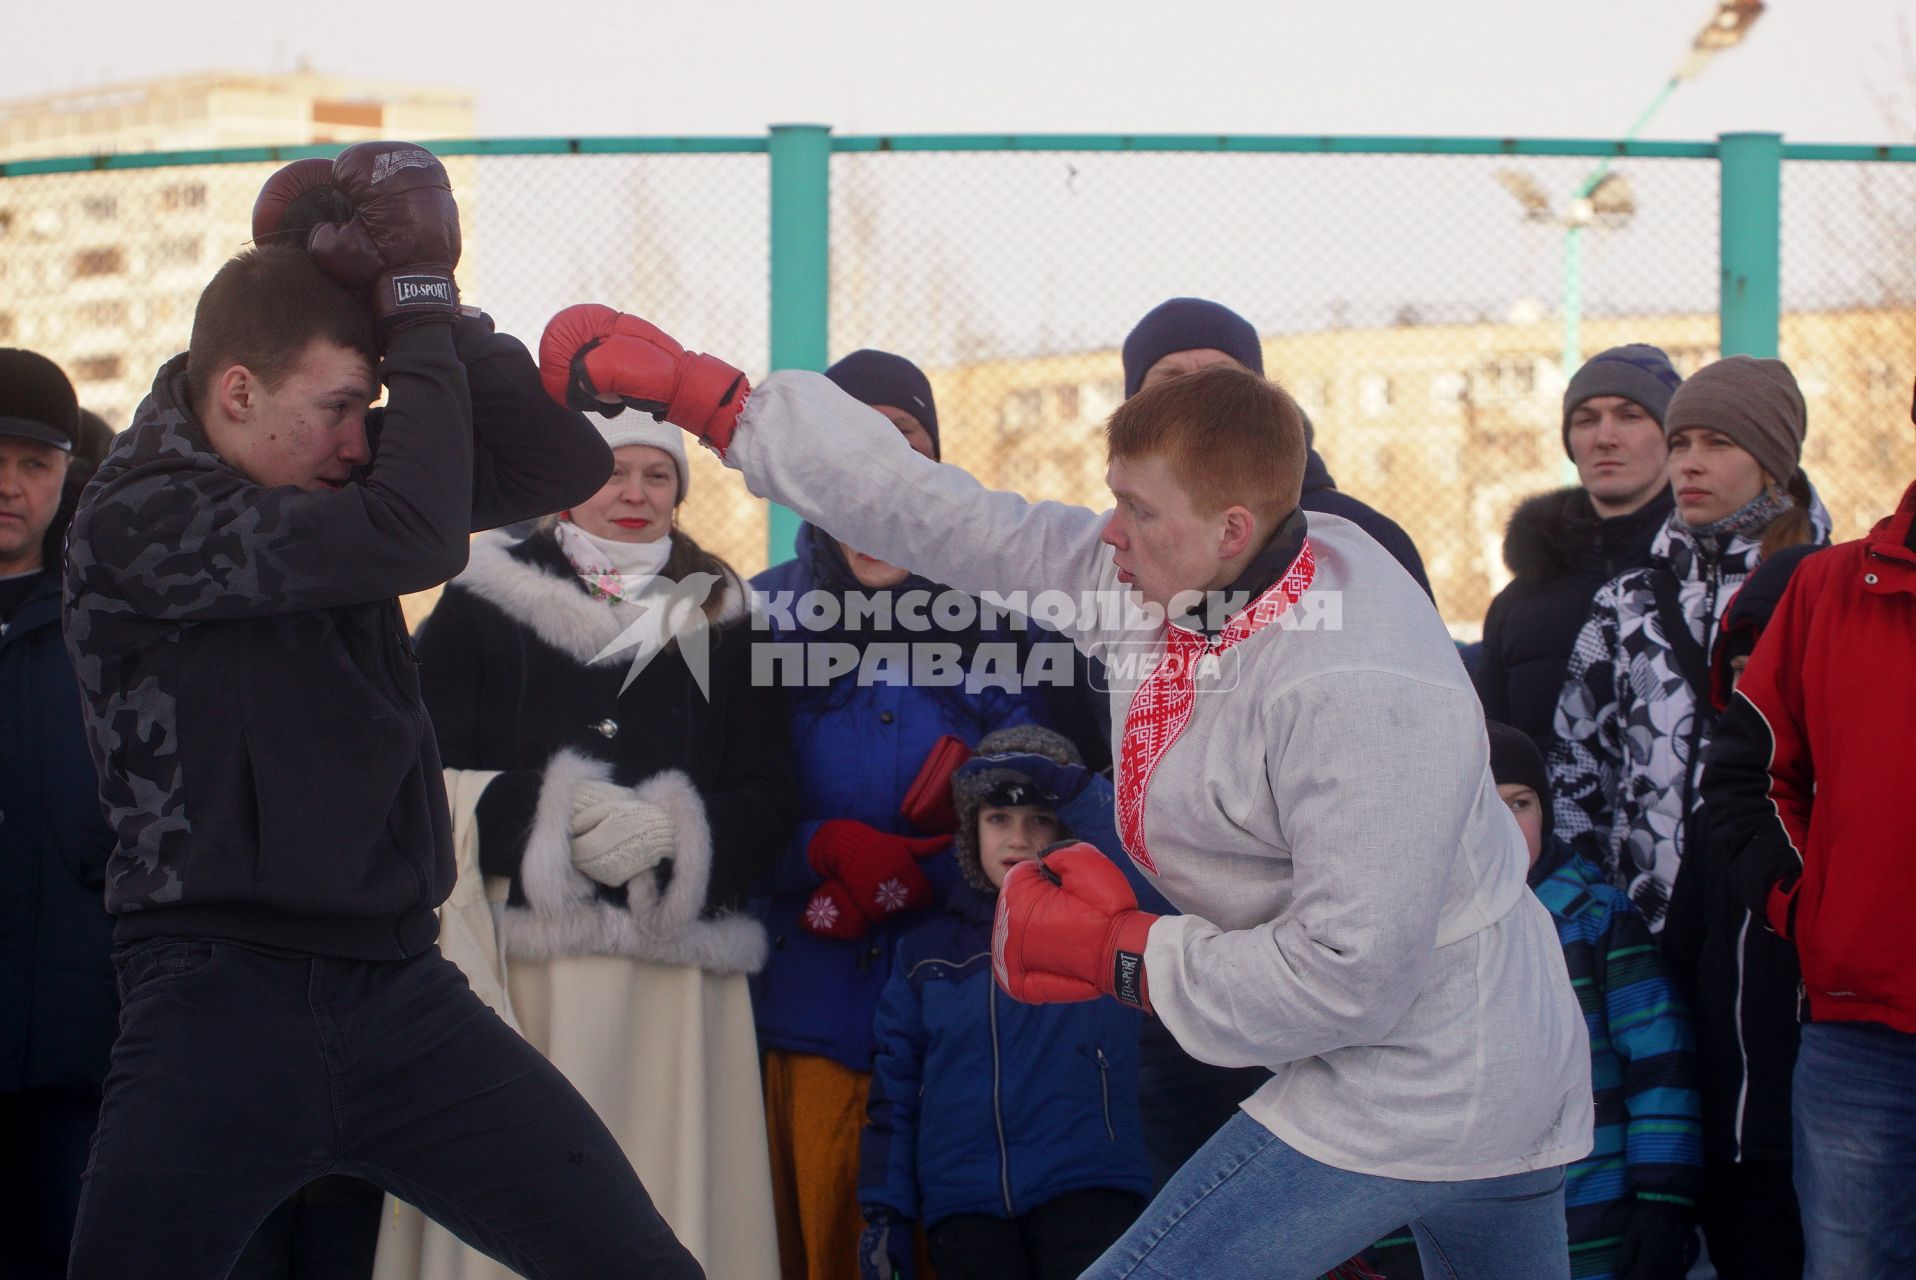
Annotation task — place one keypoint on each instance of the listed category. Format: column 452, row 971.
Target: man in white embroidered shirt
column 1318, row 800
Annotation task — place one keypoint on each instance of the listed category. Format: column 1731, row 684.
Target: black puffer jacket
column 58, row 1011
column 1561, row 551
column 1742, row 981
column 1321, row 494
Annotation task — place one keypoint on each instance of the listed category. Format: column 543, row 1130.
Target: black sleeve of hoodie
column 531, row 457
column 180, row 535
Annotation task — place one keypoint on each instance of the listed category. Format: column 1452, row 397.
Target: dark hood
column 1749, row 612
column 53, row 543
column 1560, row 532
column 1317, row 476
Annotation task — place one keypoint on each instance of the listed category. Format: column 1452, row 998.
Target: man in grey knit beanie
column 1636, row 371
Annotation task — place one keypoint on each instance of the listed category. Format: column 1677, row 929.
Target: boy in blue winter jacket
column 1011, row 1131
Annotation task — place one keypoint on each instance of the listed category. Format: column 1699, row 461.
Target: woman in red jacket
column 1809, row 779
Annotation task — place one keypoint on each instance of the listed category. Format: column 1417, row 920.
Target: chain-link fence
column 1848, row 329
column 1410, row 292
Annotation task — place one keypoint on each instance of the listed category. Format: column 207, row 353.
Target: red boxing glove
column 298, row 197
column 928, row 804
column 590, row 350
column 1068, row 928
column 402, row 238
column 879, row 871
column 831, row 913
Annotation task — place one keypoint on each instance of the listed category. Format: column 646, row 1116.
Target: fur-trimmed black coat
column 507, row 674
column 1561, row 551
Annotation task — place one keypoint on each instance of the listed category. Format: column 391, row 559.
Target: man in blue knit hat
column 1565, row 544
column 1183, row 335
column 1186, row 1100
column 896, row 388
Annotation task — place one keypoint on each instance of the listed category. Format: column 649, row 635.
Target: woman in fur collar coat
column 602, row 668
column 1635, row 716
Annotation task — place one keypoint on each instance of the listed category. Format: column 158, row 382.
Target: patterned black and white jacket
column 1630, row 732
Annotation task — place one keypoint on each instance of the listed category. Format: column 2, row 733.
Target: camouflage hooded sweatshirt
column 252, row 700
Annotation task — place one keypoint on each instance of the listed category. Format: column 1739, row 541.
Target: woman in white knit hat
column 591, row 690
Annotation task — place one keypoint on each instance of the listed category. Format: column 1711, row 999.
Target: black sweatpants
column 241, row 1074
column 1055, row 1241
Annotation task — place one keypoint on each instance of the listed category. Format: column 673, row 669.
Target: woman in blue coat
column 857, row 872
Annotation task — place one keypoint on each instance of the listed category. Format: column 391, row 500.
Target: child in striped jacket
column 1631, row 1202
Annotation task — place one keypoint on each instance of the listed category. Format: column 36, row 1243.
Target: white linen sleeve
column 838, row 463
column 1363, row 769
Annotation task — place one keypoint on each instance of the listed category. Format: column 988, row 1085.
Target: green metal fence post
column 1750, row 249
column 801, row 278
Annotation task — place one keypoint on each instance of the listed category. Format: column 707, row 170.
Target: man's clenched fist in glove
column 380, row 216
column 616, row 835
column 1068, row 928
column 589, row 351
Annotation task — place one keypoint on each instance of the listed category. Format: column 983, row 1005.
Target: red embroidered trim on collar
column 1162, row 705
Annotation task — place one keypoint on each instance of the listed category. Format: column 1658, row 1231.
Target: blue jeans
column 1853, row 1103
column 1247, row 1205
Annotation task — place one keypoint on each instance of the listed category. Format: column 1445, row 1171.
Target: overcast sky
column 1826, row 70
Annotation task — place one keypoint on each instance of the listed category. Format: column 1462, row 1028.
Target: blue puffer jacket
column 857, row 751
column 980, row 1104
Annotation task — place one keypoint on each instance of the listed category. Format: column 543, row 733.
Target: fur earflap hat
column 1020, row 765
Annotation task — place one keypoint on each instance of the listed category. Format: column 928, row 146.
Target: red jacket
column 1810, row 775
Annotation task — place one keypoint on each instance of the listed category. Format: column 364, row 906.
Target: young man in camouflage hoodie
column 271, row 775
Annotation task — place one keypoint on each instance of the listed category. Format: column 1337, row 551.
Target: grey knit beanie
column 1754, row 402
column 1636, row 371
column 980, row 780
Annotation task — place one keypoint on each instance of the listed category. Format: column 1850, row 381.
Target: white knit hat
column 634, row 426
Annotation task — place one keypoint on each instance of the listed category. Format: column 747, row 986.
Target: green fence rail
column 1424, row 321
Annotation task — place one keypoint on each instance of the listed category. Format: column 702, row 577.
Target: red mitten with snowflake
column 878, row 871
column 831, row 913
